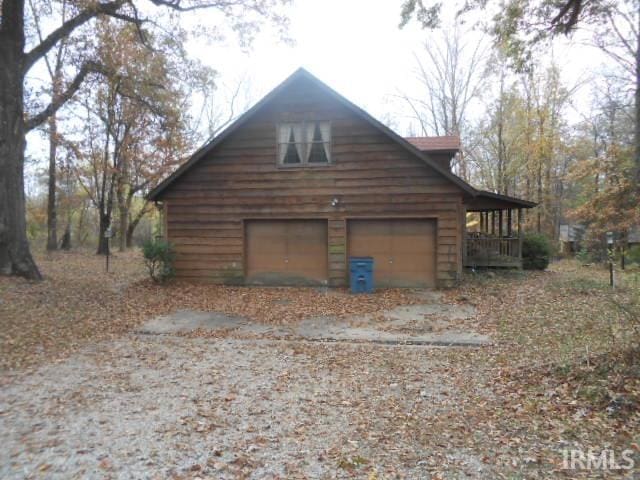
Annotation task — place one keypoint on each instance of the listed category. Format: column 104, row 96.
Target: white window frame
column 306, row 128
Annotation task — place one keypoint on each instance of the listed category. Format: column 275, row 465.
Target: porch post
column 509, row 229
column 481, row 222
column 520, row 236
column 493, row 222
column 464, row 236
column 500, row 223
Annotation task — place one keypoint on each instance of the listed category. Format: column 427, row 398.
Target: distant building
column 573, row 234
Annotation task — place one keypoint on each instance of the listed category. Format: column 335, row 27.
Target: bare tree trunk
column 130, row 230
column 541, row 204
column 124, row 202
column 501, row 153
column 124, row 224
column 52, row 211
column 105, row 209
column 52, row 233
column 103, row 241
column 15, row 256
column 66, row 238
column 105, row 203
column 637, row 110
column 134, row 223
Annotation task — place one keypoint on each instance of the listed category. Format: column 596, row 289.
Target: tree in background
column 496, row 148
column 20, row 50
column 138, row 110
column 618, row 35
column 221, row 103
column 518, row 25
column 450, row 76
column 548, row 100
column 603, row 173
column 54, row 61
column 518, row 146
column 525, row 27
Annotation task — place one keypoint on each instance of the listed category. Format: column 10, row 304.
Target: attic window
column 304, row 143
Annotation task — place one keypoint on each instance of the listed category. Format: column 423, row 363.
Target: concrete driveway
column 429, row 322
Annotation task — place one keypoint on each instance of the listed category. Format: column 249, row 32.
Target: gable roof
column 301, row 73
column 448, row 143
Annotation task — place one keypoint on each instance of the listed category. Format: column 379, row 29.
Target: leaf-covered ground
column 79, row 302
column 83, row 396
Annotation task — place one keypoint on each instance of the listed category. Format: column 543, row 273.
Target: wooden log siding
column 370, row 175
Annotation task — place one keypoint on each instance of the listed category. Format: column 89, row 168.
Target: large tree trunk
column 134, row 223
column 131, row 229
column 15, row 257
column 124, row 223
column 124, row 205
column 52, row 232
column 66, row 238
column 103, row 241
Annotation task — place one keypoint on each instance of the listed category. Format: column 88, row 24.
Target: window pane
column 317, row 151
column 291, row 154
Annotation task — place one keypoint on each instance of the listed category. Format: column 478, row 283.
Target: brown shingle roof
column 432, row 144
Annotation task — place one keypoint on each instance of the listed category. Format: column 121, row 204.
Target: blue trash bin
column 361, row 274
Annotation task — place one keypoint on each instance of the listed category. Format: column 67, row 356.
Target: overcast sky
column 356, row 47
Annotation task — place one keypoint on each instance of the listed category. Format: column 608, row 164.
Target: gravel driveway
column 162, row 406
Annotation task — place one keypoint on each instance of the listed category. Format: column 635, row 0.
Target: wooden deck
column 492, row 252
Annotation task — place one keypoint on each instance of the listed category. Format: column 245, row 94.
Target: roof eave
column 516, row 202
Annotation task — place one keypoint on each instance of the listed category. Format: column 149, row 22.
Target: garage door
column 404, row 251
column 286, row 252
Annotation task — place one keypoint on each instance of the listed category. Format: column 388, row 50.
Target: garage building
column 305, row 179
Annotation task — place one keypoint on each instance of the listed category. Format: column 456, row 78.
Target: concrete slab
column 428, row 323
column 331, row 329
column 188, row 320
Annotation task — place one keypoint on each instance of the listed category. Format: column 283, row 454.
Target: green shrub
column 633, row 255
column 583, row 255
column 159, row 256
column 536, row 252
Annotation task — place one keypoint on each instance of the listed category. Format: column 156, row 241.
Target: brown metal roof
column 444, row 143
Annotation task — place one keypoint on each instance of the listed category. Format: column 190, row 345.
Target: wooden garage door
column 404, row 250
column 286, row 252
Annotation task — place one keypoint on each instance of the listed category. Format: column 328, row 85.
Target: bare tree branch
column 180, row 7
column 59, row 101
column 64, row 30
column 559, row 22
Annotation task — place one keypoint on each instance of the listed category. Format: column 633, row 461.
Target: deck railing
column 492, row 251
